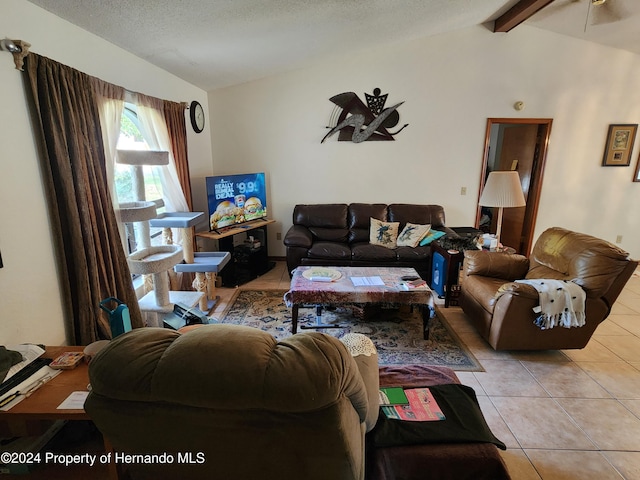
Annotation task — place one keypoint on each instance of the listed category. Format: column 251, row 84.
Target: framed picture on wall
column 617, row 152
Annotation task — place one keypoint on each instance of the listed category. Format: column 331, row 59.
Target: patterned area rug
column 397, row 334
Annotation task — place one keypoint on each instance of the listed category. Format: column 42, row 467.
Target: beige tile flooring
column 571, row 414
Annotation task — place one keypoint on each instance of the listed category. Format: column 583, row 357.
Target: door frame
column 537, row 171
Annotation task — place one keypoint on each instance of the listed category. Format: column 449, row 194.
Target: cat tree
column 156, row 261
column 205, row 265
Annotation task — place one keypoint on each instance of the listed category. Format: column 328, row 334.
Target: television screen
column 235, row 199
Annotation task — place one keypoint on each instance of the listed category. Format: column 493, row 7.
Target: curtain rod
column 18, row 48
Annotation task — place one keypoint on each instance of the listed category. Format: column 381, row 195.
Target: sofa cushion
column 409, row 254
column 330, row 234
column 326, row 215
column 505, row 266
column 421, row 214
column 483, row 290
column 365, row 252
column 359, row 219
column 332, row 250
column 411, row 234
column 384, row 234
column 589, row 261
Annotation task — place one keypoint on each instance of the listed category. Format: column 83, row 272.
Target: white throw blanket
column 561, row 303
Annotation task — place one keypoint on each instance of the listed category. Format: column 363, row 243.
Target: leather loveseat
column 338, row 234
column 503, row 311
column 231, row 402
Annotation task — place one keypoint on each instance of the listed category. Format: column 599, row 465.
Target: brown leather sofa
column 502, row 311
column 338, row 234
column 228, row 401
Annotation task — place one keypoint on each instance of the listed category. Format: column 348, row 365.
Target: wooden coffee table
column 343, row 291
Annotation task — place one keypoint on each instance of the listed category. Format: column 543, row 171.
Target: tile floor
column 571, row 414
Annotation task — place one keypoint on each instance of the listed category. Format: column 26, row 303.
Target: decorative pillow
column 412, row 234
column 431, row 236
column 383, row 233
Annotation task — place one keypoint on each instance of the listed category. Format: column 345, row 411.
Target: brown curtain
column 174, row 116
column 92, row 263
column 176, row 124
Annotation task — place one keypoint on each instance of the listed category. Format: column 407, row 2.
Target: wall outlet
column 619, row 239
column 463, row 191
column 279, row 236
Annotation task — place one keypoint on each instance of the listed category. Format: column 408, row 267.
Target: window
column 131, row 138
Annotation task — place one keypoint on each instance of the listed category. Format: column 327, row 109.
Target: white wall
column 30, row 306
column 451, row 84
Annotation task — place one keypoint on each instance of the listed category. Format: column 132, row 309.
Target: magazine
column 422, row 407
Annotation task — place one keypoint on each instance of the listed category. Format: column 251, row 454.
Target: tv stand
column 246, row 263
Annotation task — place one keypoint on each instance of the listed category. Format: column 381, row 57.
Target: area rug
column 396, row 333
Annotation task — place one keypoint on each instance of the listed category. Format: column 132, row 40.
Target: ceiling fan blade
column 553, row 8
column 609, row 12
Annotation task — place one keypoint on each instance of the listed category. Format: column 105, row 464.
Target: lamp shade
column 502, row 189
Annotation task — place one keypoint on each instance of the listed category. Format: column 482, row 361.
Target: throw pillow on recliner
column 383, row 233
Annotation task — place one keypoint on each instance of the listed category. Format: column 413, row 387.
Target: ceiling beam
column 520, row 12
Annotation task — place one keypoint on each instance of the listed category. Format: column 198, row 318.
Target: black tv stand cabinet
column 246, row 263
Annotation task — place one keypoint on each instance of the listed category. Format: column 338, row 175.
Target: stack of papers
column 21, row 388
column 29, row 354
column 366, row 281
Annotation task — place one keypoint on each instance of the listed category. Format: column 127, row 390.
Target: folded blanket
column 561, row 303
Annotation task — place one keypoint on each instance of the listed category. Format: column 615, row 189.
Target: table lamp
column 502, row 189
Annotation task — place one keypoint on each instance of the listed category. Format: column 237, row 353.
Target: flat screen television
column 236, row 199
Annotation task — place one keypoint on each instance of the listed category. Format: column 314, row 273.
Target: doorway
column 520, row 145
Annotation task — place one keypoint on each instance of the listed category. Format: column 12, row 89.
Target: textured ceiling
column 216, row 43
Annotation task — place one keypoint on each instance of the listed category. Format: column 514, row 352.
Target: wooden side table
column 453, row 260
column 35, row 414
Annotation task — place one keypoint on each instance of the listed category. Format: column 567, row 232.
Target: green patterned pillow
column 383, row 233
column 412, row 234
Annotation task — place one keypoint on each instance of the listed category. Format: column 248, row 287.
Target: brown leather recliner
column 502, row 311
column 228, row 401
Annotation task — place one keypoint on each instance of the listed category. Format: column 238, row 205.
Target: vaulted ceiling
column 216, row 43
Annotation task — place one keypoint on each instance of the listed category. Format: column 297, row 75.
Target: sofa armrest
column 519, row 290
column 450, row 232
column 495, row 264
column 298, row 236
column 365, row 355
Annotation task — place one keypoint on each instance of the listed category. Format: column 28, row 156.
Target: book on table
column 418, row 284
column 393, row 396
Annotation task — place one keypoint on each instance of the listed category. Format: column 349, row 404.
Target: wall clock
column 197, row 116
